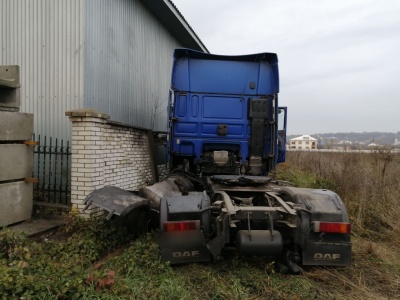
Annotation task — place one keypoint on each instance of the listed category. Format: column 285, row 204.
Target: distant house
column 304, row 142
column 374, row 145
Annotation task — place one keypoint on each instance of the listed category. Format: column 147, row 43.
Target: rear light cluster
column 332, row 227
column 181, row 225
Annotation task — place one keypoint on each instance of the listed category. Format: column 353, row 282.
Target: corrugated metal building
column 112, row 55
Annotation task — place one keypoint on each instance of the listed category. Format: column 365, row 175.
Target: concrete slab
column 15, row 161
column 9, row 76
column 9, row 87
column 15, row 202
column 15, row 126
column 10, row 98
column 34, row 227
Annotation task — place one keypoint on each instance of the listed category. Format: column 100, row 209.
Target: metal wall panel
column 45, row 38
column 128, row 61
column 112, row 55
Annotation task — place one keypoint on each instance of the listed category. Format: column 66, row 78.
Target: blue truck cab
column 223, row 114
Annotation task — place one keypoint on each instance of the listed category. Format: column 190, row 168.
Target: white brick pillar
column 87, row 142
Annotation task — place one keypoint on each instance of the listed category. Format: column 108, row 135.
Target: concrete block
column 10, row 99
column 90, row 113
column 15, row 202
column 15, row 126
column 9, row 88
column 9, row 76
column 15, row 161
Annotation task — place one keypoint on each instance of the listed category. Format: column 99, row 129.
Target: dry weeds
column 369, row 184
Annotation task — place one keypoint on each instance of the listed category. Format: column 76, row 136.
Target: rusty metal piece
column 31, row 180
column 31, row 143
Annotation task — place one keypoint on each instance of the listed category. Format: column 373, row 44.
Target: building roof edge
column 168, row 14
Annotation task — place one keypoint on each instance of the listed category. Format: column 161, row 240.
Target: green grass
column 59, row 269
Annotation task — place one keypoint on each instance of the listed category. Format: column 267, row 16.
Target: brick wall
column 107, row 153
column 162, row 171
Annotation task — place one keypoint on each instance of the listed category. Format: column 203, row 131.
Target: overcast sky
column 339, row 61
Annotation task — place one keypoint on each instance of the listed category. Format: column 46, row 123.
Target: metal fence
column 52, row 168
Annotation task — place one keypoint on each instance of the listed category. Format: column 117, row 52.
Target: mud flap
column 319, row 248
column 327, row 254
column 183, row 247
column 115, row 200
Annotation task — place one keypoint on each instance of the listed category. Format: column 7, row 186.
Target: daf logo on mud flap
column 184, row 254
column 326, row 256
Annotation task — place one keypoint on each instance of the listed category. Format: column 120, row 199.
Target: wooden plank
column 15, row 126
column 15, row 161
column 15, row 202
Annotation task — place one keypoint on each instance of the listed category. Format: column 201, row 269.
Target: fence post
column 86, row 148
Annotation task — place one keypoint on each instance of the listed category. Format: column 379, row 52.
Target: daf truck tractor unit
column 226, row 134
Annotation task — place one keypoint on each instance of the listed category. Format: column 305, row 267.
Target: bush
column 56, row 268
